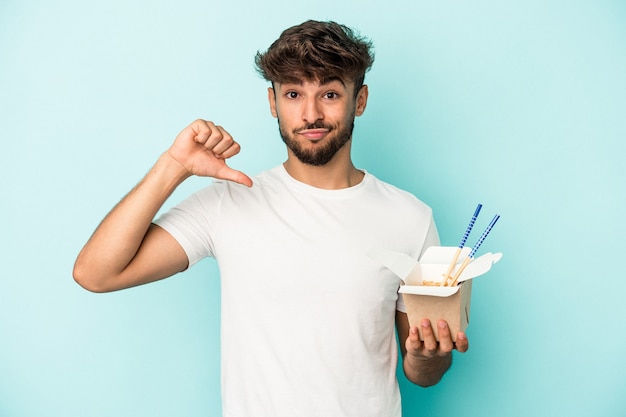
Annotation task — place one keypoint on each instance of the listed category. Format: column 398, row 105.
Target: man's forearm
column 117, row 239
column 426, row 372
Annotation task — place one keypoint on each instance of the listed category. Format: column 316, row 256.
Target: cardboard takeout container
column 435, row 302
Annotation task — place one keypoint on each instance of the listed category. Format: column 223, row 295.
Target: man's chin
column 314, row 160
column 317, row 152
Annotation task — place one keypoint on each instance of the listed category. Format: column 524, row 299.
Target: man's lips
column 313, row 134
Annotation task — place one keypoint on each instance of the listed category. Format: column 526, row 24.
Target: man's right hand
column 202, row 149
column 127, row 249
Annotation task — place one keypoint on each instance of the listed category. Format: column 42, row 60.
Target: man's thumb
column 239, row 177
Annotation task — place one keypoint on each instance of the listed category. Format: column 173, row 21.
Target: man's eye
column 292, row 94
column 331, row 95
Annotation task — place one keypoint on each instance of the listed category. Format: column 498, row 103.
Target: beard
column 322, row 154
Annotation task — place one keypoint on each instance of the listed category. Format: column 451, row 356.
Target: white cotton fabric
column 307, row 317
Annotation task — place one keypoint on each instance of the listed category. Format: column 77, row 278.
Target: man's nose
column 312, row 111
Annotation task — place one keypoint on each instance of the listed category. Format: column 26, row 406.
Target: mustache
column 316, row 125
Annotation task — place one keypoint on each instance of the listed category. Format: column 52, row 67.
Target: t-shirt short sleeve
column 191, row 223
column 400, row 306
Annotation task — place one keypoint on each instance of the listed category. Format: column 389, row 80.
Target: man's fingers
column 220, row 141
column 202, row 130
column 462, row 344
column 413, row 341
column 429, row 346
column 445, row 340
column 229, row 151
column 211, row 136
column 430, row 342
column 202, row 149
column 216, row 140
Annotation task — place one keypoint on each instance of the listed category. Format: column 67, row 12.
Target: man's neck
column 339, row 173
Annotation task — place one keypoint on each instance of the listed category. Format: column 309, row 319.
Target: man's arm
column 127, row 249
column 425, row 362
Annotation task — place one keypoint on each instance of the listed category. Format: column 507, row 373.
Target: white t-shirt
column 307, row 317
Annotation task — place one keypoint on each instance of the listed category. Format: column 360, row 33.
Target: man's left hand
column 429, row 347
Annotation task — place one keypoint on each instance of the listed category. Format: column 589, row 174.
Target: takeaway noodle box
column 433, row 301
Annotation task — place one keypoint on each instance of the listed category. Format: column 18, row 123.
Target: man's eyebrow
column 331, row 80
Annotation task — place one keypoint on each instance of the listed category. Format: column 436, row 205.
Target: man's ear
column 271, row 97
column 361, row 100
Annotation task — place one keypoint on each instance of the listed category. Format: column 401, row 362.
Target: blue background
column 518, row 105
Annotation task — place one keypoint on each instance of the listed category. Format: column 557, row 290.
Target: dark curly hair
column 317, row 51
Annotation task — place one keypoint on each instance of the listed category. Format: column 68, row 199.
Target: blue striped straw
column 470, row 226
column 483, row 236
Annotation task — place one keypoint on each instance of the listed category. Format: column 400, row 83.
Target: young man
column 307, row 317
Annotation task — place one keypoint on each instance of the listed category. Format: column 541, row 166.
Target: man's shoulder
column 396, row 194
